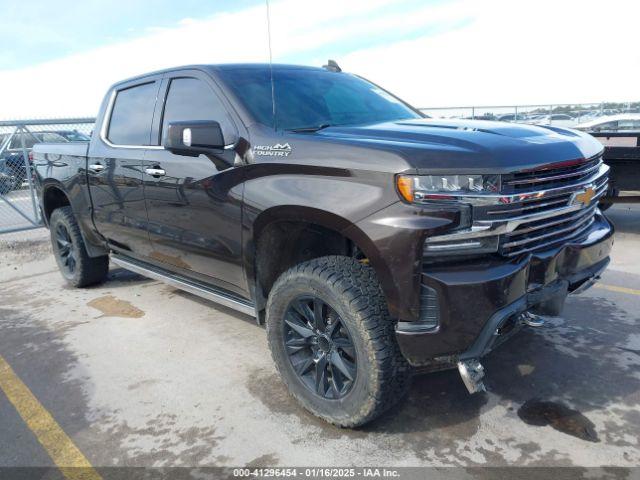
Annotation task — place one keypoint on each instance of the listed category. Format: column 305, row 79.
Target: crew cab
column 370, row 240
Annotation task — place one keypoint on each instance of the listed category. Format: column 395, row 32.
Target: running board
column 203, row 291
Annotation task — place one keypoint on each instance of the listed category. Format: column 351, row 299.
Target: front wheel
column 76, row 266
column 333, row 341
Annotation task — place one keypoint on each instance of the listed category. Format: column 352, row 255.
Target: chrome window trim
column 105, row 126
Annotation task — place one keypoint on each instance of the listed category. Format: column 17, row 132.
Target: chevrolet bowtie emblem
column 584, row 198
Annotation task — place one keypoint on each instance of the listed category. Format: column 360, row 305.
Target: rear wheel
column 333, row 341
column 76, row 266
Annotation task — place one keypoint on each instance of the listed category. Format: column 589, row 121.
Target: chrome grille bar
column 575, row 217
column 576, row 173
column 550, row 243
column 583, row 219
column 564, row 198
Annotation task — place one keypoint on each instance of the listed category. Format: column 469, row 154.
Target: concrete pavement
column 138, row 373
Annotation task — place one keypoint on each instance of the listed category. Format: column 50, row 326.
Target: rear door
column 194, row 203
column 116, row 163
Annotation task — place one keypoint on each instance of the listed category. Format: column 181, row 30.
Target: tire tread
column 357, row 283
column 91, row 270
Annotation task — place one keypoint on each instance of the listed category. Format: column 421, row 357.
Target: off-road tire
column 88, row 270
column 353, row 291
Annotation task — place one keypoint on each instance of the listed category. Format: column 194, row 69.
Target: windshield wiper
column 309, row 129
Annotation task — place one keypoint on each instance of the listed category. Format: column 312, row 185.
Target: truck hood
column 474, row 145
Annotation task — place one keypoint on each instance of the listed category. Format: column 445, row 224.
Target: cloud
column 546, row 51
column 430, row 53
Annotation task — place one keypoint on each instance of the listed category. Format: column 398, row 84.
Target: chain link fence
column 18, row 203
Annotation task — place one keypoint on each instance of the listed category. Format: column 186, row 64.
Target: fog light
column 470, row 246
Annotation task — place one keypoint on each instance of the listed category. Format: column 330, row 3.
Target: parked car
column 623, row 122
column 68, row 135
column 369, row 239
column 558, row 119
column 529, row 117
column 509, row 117
column 13, row 168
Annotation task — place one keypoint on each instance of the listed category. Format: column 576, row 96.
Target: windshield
column 308, row 99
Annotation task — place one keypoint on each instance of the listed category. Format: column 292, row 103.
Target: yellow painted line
column 614, row 288
column 67, row 457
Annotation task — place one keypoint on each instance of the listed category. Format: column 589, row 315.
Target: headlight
column 441, row 187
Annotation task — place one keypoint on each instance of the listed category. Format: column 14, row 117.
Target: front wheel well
column 284, row 244
column 52, row 199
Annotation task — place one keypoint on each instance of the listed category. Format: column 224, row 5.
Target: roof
column 223, row 67
column 260, row 66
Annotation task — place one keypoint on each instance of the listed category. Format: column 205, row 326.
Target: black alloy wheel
column 333, row 342
column 66, row 251
column 319, row 347
column 70, row 251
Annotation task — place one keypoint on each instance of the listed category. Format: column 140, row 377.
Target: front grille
column 535, row 210
column 535, row 233
column 529, row 206
column 541, row 234
column 553, row 176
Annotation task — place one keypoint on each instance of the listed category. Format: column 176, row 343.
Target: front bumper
column 479, row 298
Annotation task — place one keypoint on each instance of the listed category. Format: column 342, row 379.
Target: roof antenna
column 273, row 88
column 332, row 66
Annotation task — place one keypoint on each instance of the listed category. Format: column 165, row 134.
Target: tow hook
column 533, row 320
column 472, row 372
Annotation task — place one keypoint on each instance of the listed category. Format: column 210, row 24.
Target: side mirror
column 194, row 137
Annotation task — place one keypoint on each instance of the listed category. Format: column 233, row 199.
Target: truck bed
column 622, row 154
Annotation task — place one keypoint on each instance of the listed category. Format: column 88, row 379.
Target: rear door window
column 132, row 115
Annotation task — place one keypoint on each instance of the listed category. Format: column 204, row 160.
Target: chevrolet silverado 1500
column 369, row 239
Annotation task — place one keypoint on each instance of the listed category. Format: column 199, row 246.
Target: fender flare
column 95, row 248
column 330, row 221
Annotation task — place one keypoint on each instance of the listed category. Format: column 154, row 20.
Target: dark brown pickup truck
column 370, row 239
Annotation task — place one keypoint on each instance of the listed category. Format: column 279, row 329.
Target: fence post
column 27, row 163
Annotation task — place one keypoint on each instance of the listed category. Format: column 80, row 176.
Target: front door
column 194, row 203
column 116, row 163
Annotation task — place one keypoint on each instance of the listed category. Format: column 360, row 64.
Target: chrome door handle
column 96, row 167
column 155, row 172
